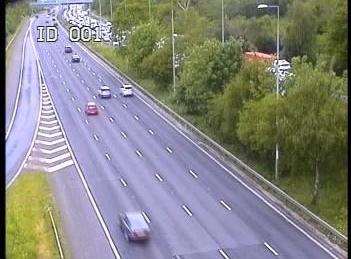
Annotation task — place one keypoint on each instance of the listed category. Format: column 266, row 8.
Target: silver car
column 134, row 226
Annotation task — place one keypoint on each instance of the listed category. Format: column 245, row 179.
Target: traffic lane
column 157, row 153
column 13, row 65
column 83, row 235
column 25, row 122
column 220, row 185
column 131, row 154
column 154, row 251
column 218, row 178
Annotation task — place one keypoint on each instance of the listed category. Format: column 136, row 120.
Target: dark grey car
column 133, row 226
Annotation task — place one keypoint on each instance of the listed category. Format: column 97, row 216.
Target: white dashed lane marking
column 159, row 177
column 123, row 182
column 270, row 249
column 225, row 205
column 193, row 173
column 187, row 210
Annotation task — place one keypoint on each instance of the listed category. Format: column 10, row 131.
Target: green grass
column 333, row 194
column 29, row 232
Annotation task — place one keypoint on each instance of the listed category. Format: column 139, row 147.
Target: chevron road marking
column 47, row 112
column 47, row 116
column 52, row 151
column 50, row 135
column 60, row 166
column 49, row 128
column 50, row 160
column 49, row 122
column 50, row 143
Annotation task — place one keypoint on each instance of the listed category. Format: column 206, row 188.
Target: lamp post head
column 262, row 6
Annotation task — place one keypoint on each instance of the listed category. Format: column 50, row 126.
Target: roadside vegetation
column 29, row 233
column 16, row 13
column 233, row 100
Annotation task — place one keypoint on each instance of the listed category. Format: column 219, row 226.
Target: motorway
column 132, row 159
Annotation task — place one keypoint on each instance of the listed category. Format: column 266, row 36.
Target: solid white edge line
column 56, row 234
column 19, row 87
column 37, row 126
column 91, row 198
column 113, row 73
column 270, row 248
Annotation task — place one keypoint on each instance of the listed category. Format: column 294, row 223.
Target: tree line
column 235, row 98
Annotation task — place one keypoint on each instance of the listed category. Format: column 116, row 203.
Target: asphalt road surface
column 132, row 159
column 23, row 128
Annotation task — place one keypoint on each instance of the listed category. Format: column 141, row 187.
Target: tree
column 130, row 13
column 301, row 31
column 252, row 82
column 158, row 64
column 260, row 32
column 142, row 43
column 257, row 124
column 336, row 38
column 206, row 70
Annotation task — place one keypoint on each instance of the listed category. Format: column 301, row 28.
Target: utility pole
column 173, row 57
column 222, row 22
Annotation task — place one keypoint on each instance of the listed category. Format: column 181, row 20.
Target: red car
column 91, row 109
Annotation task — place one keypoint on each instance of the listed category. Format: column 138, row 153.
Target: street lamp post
column 150, row 9
column 173, row 57
column 111, row 9
column 222, row 22
column 263, row 6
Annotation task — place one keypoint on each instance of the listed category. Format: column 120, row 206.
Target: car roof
column 105, row 87
column 136, row 220
column 91, row 103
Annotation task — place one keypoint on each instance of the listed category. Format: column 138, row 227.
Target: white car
column 126, row 90
column 104, row 92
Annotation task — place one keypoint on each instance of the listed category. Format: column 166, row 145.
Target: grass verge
column 29, row 233
column 333, row 194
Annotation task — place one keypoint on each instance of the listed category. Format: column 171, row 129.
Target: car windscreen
column 127, row 87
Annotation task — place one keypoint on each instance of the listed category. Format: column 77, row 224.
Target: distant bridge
column 40, row 3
